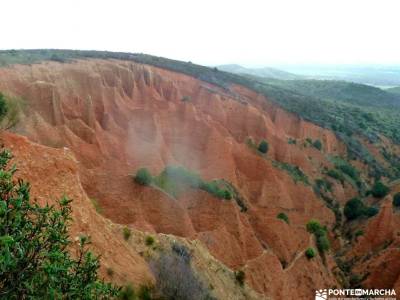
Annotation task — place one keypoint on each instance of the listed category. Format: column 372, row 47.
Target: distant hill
column 395, row 90
column 376, row 75
column 262, row 72
column 343, row 91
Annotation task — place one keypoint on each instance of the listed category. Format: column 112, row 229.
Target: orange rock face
column 116, row 117
column 52, row 174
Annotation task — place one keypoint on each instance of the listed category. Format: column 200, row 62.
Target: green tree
column 379, row 190
column 263, row 146
column 34, row 261
column 143, row 177
column 354, row 208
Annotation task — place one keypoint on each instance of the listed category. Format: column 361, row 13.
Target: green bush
column 149, row 240
column 34, row 260
column 396, row 200
column 263, row 146
column 320, row 233
column 358, row 233
column 283, row 216
column 240, row 276
column 310, row 253
column 379, row 190
column 323, row 184
column 294, row 171
column 3, row 107
column 317, row 144
column 371, row 211
column 354, row 208
column 126, row 232
column 127, row 293
column 349, row 170
column 323, row 243
column 336, row 175
column 143, row 177
column 313, row 226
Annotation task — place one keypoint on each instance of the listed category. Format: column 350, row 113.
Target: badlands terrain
column 88, row 123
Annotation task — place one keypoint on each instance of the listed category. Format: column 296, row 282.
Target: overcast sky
column 211, row 31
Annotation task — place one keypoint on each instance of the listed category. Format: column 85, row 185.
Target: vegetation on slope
column 34, row 260
column 176, row 180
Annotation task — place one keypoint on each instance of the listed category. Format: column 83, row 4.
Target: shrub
column 3, row 107
column 358, row 233
column 379, row 190
column 323, row 184
column 175, row 278
column 182, row 251
column 144, row 293
column 126, row 232
column 149, row 240
column 263, row 146
column 336, row 175
column 396, row 200
column 310, row 253
column 143, row 177
column 34, row 260
column 317, row 144
column 313, row 226
column 320, row 233
column 240, row 276
column 323, row 243
column 292, row 141
column 294, row 171
column 186, row 98
column 354, row 208
column 283, row 217
column 349, row 170
column 10, row 109
column 127, row 293
column 371, row 211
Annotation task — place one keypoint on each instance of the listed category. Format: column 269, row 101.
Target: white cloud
column 211, row 32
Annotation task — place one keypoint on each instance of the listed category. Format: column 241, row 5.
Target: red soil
column 116, row 117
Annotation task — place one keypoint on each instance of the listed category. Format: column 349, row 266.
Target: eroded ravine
column 116, row 117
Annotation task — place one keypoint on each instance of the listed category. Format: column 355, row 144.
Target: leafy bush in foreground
column 34, row 261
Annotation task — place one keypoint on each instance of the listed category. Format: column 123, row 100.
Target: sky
column 251, row 32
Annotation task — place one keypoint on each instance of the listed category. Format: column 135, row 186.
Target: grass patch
column 294, row 171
